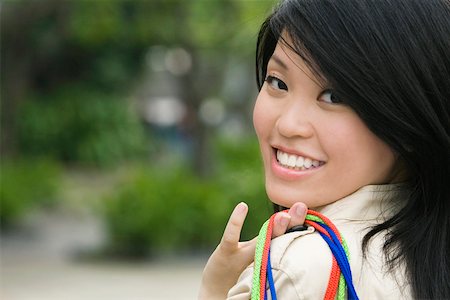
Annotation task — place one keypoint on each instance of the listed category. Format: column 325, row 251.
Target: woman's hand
column 229, row 259
column 284, row 220
column 231, row 256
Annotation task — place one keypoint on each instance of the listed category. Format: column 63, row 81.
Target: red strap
column 327, row 221
column 335, row 273
column 265, row 257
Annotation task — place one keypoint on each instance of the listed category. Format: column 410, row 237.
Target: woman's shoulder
column 305, row 260
column 301, row 264
column 303, row 248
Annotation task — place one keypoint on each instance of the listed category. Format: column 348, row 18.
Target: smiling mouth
column 297, row 162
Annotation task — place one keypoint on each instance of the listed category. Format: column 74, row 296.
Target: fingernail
column 300, row 210
column 241, row 207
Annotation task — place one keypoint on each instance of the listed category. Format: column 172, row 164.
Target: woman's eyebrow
column 278, row 61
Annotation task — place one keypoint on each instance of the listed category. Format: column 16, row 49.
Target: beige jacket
column 301, row 261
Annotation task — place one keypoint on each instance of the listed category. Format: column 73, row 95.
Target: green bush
column 173, row 210
column 24, row 185
column 79, row 124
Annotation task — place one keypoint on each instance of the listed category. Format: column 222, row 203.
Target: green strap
column 342, row 287
column 258, row 259
column 341, row 294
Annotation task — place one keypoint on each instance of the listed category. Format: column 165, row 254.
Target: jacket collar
column 369, row 203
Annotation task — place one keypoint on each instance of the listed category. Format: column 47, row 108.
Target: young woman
column 353, row 120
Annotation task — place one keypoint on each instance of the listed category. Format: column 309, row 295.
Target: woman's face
column 315, row 149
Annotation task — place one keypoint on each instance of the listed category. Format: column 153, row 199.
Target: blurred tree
column 102, row 45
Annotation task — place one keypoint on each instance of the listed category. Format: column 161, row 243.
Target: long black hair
column 389, row 60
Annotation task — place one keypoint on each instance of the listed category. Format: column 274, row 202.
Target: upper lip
column 295, row 152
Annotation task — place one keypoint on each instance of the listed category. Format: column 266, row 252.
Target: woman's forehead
column 288, row 57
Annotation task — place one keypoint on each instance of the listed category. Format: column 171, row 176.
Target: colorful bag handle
column 340, row 281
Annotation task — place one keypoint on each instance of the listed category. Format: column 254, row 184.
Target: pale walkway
column 37, row 264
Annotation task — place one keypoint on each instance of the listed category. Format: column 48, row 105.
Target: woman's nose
column 294, row 120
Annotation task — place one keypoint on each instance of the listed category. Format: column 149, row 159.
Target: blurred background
column 126, row 141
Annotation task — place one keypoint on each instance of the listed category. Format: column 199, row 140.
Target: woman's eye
column 329, row 96
column 276, row 83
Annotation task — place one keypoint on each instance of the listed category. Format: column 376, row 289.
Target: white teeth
column 308, row 163
column 282, row 158
column 295, row 161
column 300, row 160
column 292, row 160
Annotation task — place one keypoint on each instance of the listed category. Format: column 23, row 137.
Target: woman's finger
column 232, row 233
column 248, row 251
column 298, row 214
column 286, row 220
column 280, row 224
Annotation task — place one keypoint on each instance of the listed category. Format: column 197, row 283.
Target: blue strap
column 341, row 258
column 273, row 292
column 341, row 255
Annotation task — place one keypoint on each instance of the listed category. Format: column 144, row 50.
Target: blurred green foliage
column 83, row 125
column 26, row 184
column 160, row 210
column 71, row 71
